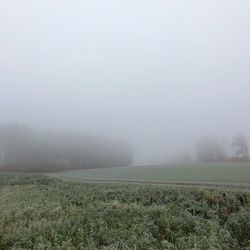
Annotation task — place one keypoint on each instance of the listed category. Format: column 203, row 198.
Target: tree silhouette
column 240, row 145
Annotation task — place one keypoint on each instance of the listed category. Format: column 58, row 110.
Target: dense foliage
column 39, row 212
column 24, row 149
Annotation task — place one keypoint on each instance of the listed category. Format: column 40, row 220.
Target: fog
column 159, row 74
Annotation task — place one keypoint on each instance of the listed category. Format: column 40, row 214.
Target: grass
column 40, row 212
column 216, row 173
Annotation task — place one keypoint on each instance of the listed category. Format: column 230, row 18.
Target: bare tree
column 240, row 145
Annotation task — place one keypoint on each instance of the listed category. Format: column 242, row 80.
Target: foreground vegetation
column 39, row 212
column 213, row 173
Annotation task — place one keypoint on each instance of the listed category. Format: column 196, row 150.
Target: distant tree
column 239, row 144
column 14, row 139
column 211, row 149
column 24, row 149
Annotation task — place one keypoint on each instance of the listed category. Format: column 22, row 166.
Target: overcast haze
column 160, row 74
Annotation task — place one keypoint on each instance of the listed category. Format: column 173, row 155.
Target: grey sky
column 158, row 73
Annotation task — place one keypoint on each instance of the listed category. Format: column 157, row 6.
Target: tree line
column 25, row 149
column 213, row 149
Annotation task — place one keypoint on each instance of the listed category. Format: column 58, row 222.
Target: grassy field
column 217, row 173
column 40, row 212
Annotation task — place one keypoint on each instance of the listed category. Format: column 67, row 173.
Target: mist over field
column 125, row 124
column 159, row 75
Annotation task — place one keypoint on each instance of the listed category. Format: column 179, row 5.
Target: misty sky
column 160, row 74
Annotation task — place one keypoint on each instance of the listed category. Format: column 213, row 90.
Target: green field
column 40, row 212
column 47, row 212
column 216, row 173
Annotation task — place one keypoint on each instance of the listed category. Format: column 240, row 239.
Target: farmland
column 216, row 173
column 41, row 212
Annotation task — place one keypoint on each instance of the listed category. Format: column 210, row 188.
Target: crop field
column 41, row 212
column 217, row 173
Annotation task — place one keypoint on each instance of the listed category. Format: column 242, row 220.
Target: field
column 217, row 173
column 41, row 212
